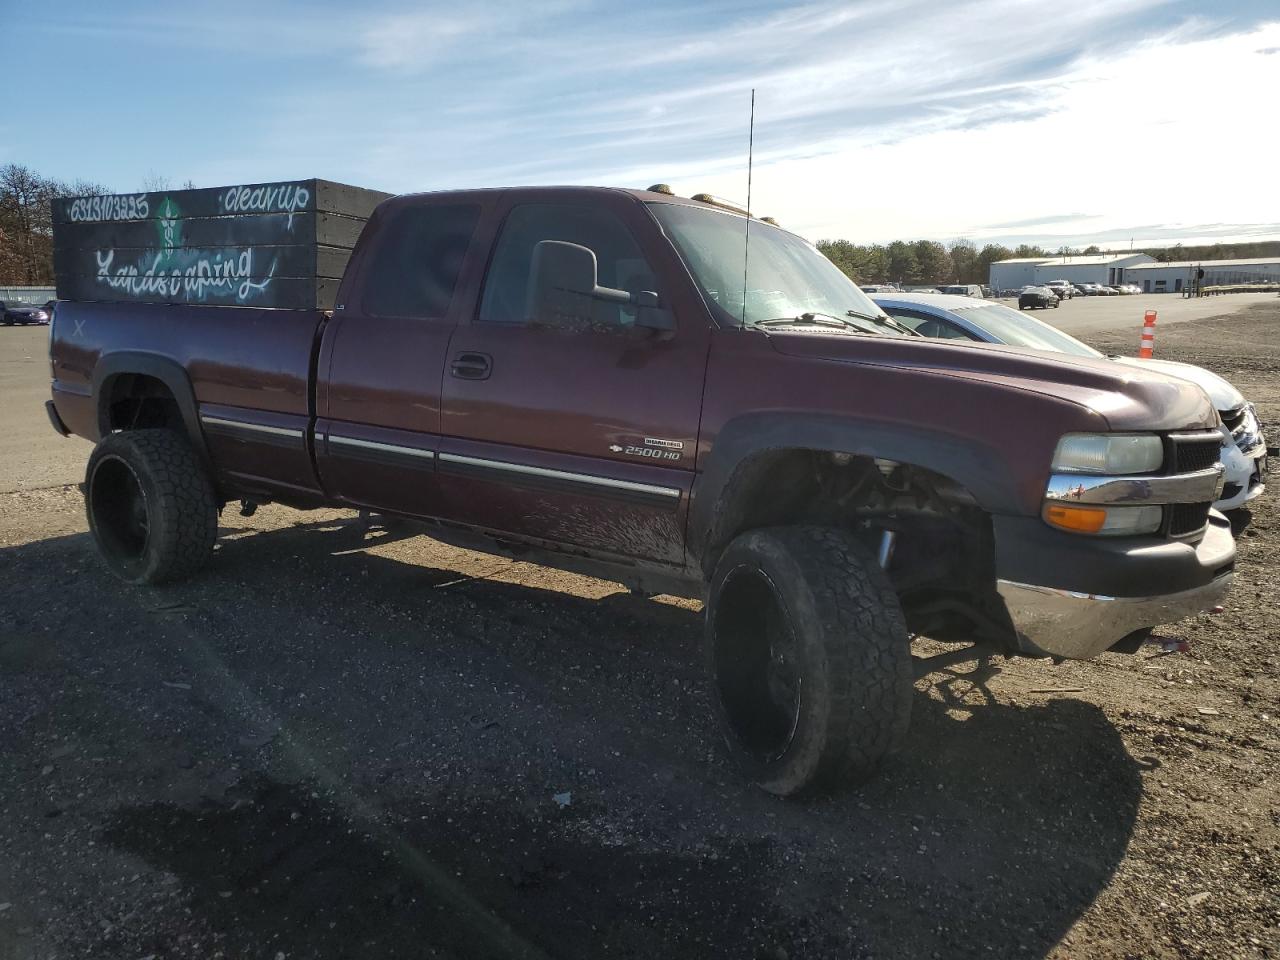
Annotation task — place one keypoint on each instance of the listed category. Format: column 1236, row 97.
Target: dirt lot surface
column 345, row 742
column 27, row 459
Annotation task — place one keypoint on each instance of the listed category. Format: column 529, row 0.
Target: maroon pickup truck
column 586, row 377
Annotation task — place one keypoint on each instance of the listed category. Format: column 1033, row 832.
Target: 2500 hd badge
column 654, row 449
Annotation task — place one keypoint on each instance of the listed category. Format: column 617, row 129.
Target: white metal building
column 1097, row 268
column 1175, row 277
column 1013, row 274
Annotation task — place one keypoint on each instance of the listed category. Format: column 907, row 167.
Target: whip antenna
column 746, row 238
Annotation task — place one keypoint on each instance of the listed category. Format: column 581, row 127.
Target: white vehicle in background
column 1062, row 288
column 1244, row 449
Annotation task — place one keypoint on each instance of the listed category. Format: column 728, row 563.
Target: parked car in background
column 1062, row 288
column 879, row 288
column 24, row 313
column 1033, row 297
column 1244, row 449
column 964, row 290
column 987, row 292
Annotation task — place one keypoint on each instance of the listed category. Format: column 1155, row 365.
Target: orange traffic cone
column 1148, row 344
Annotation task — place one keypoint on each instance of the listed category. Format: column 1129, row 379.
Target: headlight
column 1108, row 453
column 1104, row 521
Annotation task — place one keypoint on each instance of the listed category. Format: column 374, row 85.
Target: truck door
column 585, row 436
column 383, row 353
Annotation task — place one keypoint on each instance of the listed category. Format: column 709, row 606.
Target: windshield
column 786, row 276
column 1019, row 330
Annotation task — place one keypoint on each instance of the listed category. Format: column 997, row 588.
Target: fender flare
column 165, row 369
column 747, row 440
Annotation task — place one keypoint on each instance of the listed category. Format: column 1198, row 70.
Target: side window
column 928, row 326
column 619, row 262
column 419, row 256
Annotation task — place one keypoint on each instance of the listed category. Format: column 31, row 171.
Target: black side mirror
column 562, row 287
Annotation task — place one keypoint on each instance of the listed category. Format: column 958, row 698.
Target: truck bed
column 240, row 376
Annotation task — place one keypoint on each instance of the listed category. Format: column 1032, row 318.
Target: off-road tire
column 177, row 520
column 853, row 655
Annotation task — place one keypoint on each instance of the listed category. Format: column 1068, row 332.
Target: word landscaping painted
column 203, row 277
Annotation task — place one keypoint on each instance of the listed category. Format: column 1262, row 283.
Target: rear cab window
column 415, row 266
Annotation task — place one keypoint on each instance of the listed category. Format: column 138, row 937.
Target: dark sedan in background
column 23, row 313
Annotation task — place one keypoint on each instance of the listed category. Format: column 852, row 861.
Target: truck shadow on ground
column 428, row 720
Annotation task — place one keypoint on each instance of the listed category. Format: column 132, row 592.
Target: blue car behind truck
column 1244, row 448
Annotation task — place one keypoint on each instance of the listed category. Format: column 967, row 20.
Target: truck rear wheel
column 151, row 506
column 810, row 657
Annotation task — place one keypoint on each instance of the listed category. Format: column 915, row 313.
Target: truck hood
column 1221, row 392
column 1127, row 397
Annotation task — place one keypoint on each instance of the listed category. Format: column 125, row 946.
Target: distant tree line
column 918, row 262
column 26, row 220
column 927, row 262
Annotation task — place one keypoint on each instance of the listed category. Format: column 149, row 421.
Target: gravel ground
column 346, row 741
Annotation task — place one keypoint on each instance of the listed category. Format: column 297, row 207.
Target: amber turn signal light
column 1075, row 518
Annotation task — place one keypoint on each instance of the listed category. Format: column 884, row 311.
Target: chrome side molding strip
column 381, row 447
column 585, row 478
column 251, row 427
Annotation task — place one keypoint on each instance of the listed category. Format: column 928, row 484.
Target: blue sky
column 1010, row 120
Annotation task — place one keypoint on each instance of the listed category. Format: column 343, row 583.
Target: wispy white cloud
column 656, row 93
column 875, row 118
column 416, row 40
column 1164, row 132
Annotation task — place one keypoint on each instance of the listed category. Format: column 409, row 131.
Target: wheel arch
column 757, row 453
column 108, row 376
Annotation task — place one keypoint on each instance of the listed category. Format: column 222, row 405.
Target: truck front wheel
column 810, row 657
column 151, row 506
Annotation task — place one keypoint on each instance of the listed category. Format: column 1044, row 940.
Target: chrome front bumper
column 1202, row 485
column 1077, row 626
